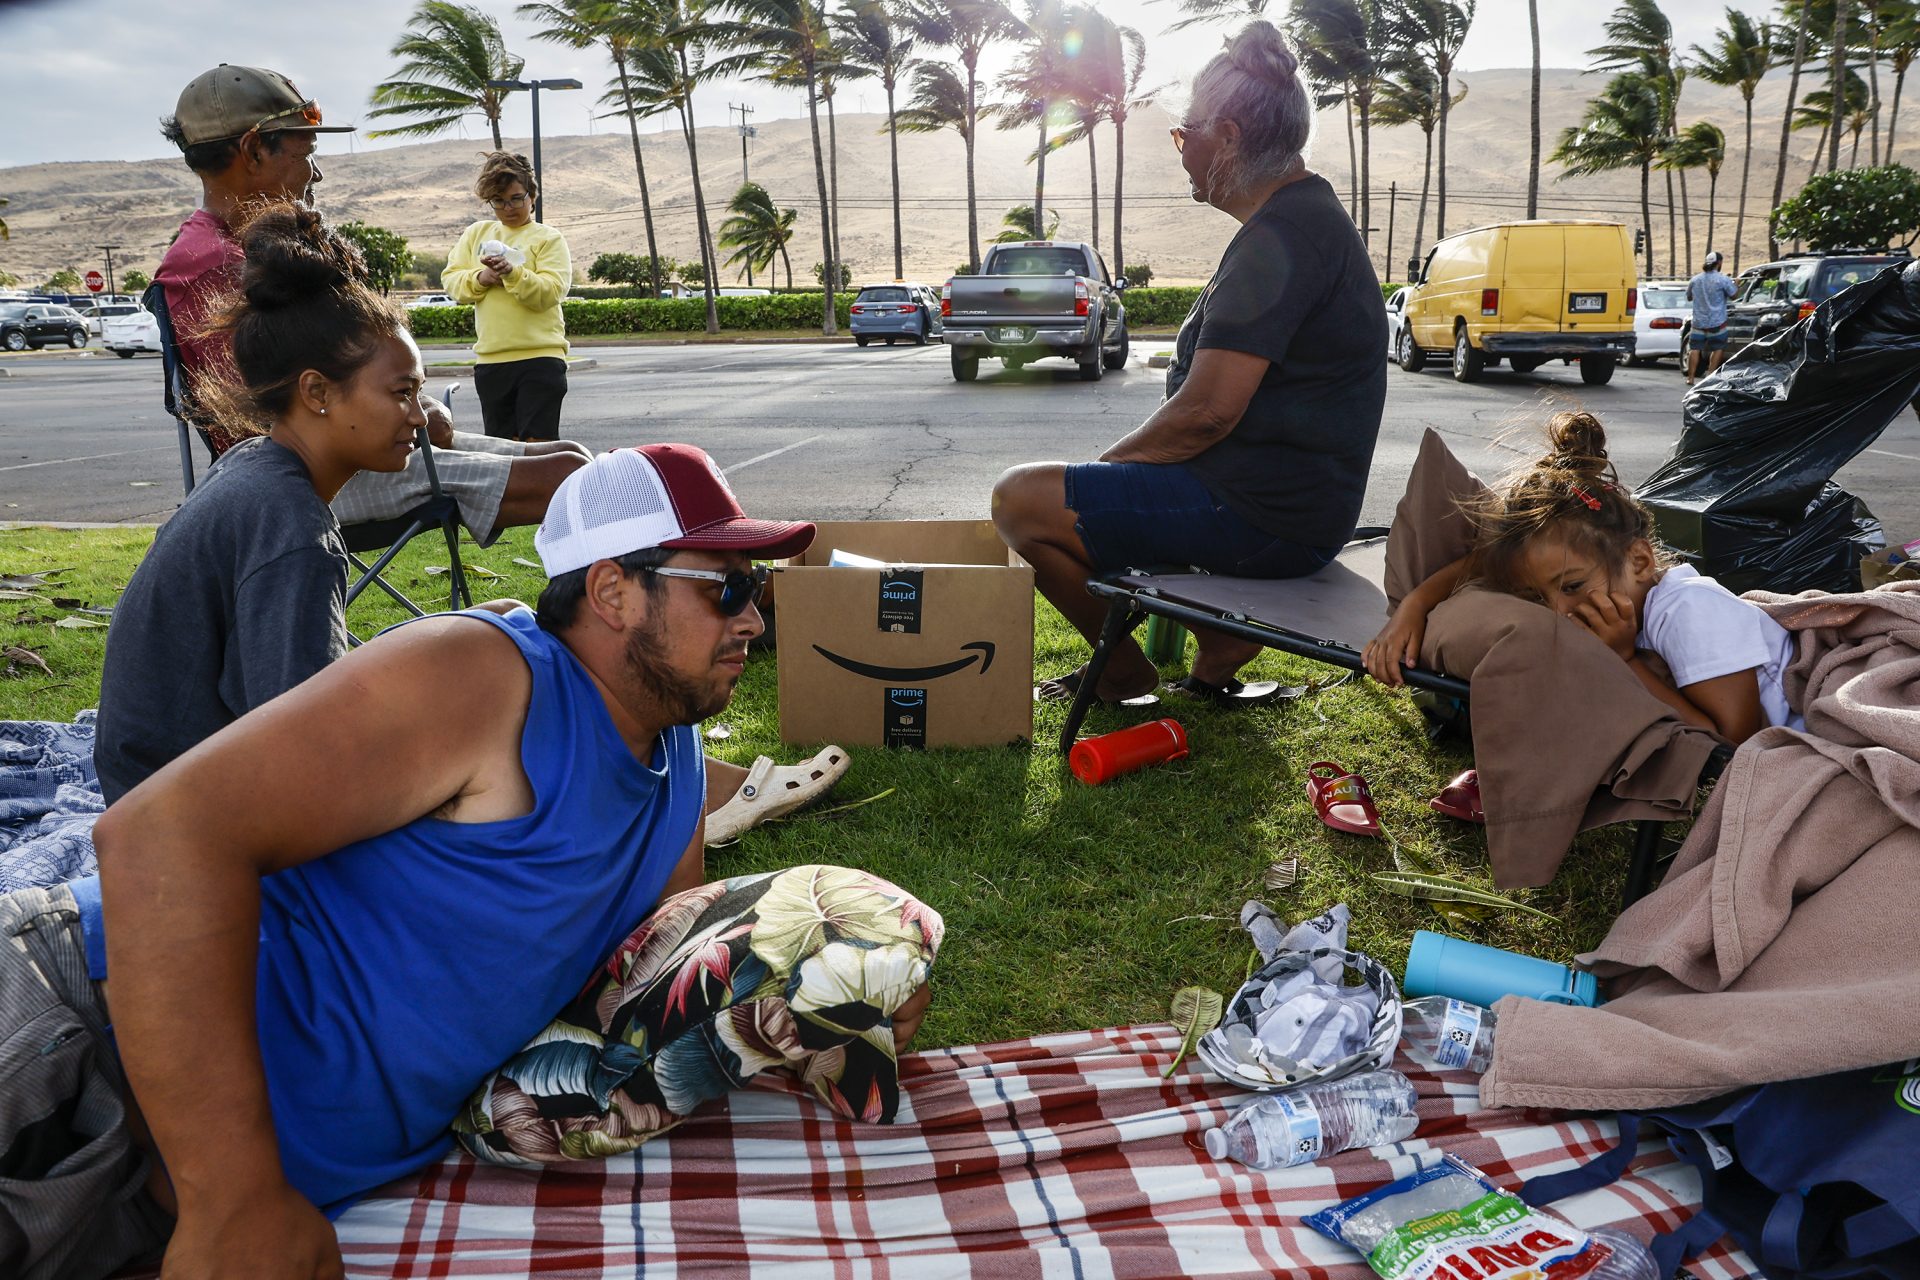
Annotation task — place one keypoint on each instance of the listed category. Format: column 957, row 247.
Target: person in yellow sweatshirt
column 514, row 272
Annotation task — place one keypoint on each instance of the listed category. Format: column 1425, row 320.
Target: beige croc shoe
column 772, row 790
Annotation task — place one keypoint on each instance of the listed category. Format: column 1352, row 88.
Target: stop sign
column 95, row 282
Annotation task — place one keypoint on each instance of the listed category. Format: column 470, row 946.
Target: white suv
column 1659, row 320
column 128, row 335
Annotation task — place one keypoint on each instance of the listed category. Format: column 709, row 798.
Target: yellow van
column 1526, row 293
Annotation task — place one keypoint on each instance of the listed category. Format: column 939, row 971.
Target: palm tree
column 1640, row 38
column 1901, row 43
column 1786, row 125
column 1342, row 42
column 451, row 51
column 1855, row 109
column 1873, row 25
column 968, row 27
column 1837, row 82
column 1410, row 94
column 758, row 231
column 1701, row 145
column 1436, row 29
column 1104, row 87
column 662, row 74
column 1019, row 224
column 1202, row 11
column 871, row 38
column 579, row 24
column 792, row 34
column 1739, row 58
column 1041, row 80
column 1533, row 117
column 1622, row 128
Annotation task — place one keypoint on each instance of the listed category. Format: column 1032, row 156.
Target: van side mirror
column 1413, row 271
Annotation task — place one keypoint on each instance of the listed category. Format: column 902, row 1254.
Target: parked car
column 1034, row 299
column 1396, row 318
column 432, row 300
column 1777, row 295
column 99, row 313
column 902, row 309
column 1659, row 320
column 1525, row 292
column 36, row 324
column 128, row 335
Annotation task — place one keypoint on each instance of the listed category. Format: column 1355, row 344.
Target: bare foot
column 906, row 1019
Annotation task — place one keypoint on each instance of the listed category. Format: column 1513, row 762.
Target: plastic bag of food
column 1451, row 1222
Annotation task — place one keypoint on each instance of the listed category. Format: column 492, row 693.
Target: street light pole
column 109, row 248
column 539, row 199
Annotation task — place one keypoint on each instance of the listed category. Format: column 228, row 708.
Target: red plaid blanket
column 1066, row 1155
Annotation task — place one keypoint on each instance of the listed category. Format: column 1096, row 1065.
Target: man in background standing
column 1709, row 292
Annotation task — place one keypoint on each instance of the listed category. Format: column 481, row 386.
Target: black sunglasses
column 738, row 587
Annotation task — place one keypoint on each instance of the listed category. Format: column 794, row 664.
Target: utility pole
column 746, row 131
column 108, row 249
column 1393, row 206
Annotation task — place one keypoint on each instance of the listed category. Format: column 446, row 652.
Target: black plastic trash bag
column 1746, row 494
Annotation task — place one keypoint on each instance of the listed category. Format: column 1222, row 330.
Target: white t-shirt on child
column 1703, row 631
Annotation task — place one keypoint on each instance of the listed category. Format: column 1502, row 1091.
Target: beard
column 685, row 701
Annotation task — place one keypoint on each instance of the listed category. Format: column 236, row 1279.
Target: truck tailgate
column 1028, row 298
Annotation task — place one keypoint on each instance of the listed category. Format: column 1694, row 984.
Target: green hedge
column 1167, row 305
column 588, row 316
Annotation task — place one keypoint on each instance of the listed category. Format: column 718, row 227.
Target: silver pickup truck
column 1034, row 299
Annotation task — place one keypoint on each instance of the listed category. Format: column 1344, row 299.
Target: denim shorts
column 1136, row 515
column 1707, row 339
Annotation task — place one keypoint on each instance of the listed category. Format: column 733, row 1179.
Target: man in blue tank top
column 330, row 922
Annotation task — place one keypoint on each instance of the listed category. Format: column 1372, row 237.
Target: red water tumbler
column 1101, row 759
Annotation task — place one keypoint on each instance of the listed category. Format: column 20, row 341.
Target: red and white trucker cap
column 656, row 495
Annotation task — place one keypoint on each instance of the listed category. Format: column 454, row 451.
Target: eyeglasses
column 508, row 202
column 738, row 587
column 304, row 116
column 1180, row 132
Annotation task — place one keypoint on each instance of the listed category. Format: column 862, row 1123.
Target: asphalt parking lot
column 836, row 432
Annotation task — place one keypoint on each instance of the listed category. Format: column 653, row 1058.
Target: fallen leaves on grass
column 1410, row 884
column 1282, row 874
column 19, row 658
column 74, row 622
column 1196, row 1011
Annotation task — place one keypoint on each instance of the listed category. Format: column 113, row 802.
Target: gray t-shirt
column 1296, row 287
column 1710, row 291
column 242, row 596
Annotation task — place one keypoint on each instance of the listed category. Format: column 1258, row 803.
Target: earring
column 323, row 411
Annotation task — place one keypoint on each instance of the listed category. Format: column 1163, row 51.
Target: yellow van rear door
column 1599, row 276
column 1530, row 293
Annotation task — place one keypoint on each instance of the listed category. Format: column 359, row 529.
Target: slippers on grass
column 1067, row 687
column 1342, row 799
column 1461, row 799
column 772, row 791
column 1236, row 693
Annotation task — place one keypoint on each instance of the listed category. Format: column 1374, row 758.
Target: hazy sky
column 88, row 79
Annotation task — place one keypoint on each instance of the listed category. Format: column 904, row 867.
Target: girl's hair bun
column 1261, row 51
column 292, row 254
column 1577, row 443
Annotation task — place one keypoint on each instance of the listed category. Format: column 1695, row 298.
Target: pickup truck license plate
column 1587, row 302
column 1010, row 333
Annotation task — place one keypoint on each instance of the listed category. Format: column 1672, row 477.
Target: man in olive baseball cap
column 229, row 101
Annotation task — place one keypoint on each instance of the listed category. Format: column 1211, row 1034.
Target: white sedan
column 128, row 335
column 1659, row 320
column 1396, row 318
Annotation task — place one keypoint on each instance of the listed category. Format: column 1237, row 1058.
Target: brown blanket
column 1785, row 942
column 1555, row 713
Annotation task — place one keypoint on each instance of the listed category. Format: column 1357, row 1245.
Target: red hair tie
column 1593, row 503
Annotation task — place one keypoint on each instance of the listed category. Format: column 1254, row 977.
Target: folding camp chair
column 440, row 510
column 1343, row 600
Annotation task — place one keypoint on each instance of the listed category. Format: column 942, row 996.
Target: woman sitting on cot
column 1564, row 532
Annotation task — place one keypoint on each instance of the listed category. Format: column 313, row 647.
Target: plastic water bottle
column 1631, row 1260
column 1303, row 1125
column 1450, row 1032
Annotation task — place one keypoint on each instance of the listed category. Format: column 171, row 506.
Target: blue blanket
column 49, row 798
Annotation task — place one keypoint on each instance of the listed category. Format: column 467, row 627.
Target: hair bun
column 1261, row 51
column 292, row 253
column 1577, row 443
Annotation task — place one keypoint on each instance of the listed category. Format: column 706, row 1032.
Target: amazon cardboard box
column 934, row 650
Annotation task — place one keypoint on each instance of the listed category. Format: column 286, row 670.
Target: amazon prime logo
column 900, row 591
column 905, row 715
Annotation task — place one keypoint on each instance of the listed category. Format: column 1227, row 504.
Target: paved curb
column 79, row 524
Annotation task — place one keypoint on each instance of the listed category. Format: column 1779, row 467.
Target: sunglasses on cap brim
column 738, row 587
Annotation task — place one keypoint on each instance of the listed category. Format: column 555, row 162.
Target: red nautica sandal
column 1342, row 799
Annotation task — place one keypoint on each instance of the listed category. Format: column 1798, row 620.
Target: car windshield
column 13, row 312
column 1037, row 262
column 882, row 295
column 1848, row 272
column 1663, row 299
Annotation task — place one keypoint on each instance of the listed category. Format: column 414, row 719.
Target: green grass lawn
column 1067, row 906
